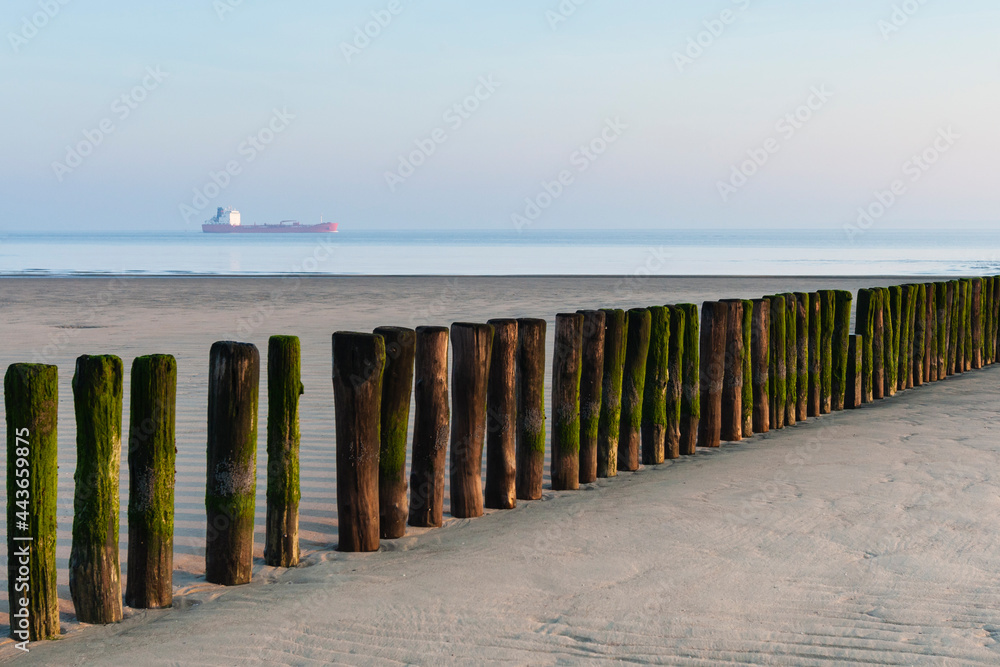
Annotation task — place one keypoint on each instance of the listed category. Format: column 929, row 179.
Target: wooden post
column 778, row 361
column 904, row 361
column 864, row 325
column 976, row 310
column 691, row 394
column 854, row 395
column 713, row 365
column 891, row 303
column 397, row 387
column 988, row 286
column 930, row 333
column 472, row 347
column 828, row 306
column 31, row 398
column 530, row 408
column 943, row 324
column 815, row 354
column 567, row 364
column 732, row 381
column 608, row 426
column 591, row 379
column 760, row 345
column 969, row 325
column 94, row 572
column 954, row 297
column 284, row 386
column 675, row 382
column 802, row 356
column 919, row 347
column 747, row 398
column 995, row 343
column 878, row 343
column 791, row 358
column 151, row 455
column 358, row 366
column 654, row 397
column 501, row 418
column 964, row 332
column 430, row 427
column 633, row 385
column 839, row 362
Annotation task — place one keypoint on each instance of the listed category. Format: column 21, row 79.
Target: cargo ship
column 227, row 221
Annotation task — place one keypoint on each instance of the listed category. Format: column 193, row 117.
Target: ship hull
column 322, row 228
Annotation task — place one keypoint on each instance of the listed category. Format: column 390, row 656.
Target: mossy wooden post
column 968, row 324
column 94, row 572
column 802, row 356
column 791, row 359
column 732, row 381
column 760, row 345
column 747, row 399
column 815, row 353
column 31, row 398
column 778, row 361
column 854, row 392
column 988, row 348
column 919, row 335
column 954, row 294
column 358, row 365
column 864, row 325
column 501, row 418
column 397, row 388
column 530, row 408
column 878, row 343
column 654, row 397
column 633, row 385
column 431, row 416
column 828, row 305
column 890, row 306
column 675, row 382
column 591, row 379
column 964, row 333
column 284, row 386
column 904, row 361
column 691, row 392
column 930, row 333
column 472, row 347
column 841, row 341
column 995, row 343
column 151, row 455
column 976, row 311
column 567, row 364
column 943, row 324
column 714, row 325
column 230, row 491
column 608, row 426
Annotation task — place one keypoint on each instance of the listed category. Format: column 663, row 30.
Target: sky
column 548, row 114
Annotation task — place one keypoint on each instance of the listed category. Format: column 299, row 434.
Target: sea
column 532, row 252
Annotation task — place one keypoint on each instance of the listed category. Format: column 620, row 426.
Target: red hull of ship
column 322, row 228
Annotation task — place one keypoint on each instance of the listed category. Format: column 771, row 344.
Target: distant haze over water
column 530, row 252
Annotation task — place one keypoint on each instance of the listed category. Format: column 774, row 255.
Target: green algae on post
column 608, row 426
column 828, row 307
column 841, row 341
column 654, row 401
column 151, row 457
column 853, row 395
column 878, row 342
column 791, row 358
column 284, row 386
column 713, row 366
column 675, row 382
column 747, row 368
column 94, row 572
column 591, row 378
column 802, row 356
column 639, row 324
column 890, row 309
column 943, row 324
column 778, row 361
column 397, row 387
column 530, row 408
column 31, row 399
column 919, row 335
column 760, row 345
column 691, row 396
column 864, row 327
column 815, row 353
column 566, row 369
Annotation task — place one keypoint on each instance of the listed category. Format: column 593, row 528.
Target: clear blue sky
column 685, row 126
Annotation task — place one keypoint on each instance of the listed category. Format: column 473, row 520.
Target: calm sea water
column 533, row 252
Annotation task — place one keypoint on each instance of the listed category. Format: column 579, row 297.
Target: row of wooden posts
column 641, row 386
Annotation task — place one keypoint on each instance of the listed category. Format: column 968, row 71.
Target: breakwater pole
column 675, row 382
column 567, row 365
column 94, row 572
column 919, row 348
column 791, row 358
column 284, row 386
column 802, row 356
column 358, row 366
column 760, row 346
column 530, row 439
column 713, row 365
column 864, row 328
column 747, row 398
column 854, row 394
column 654, row 400
column 501, row 418
column 472, row 346
column 691, row 392
column 591, row 381
column 815, row 354
column 778, row 356
column 839, row 361
column 828, row 309
column 941, row 347
column 31, row 399
column 397, row 388
column 732, row 381
column 639, row 323
column 609, row 422
column 976, row 312
column 431, row 419
column 151, row 457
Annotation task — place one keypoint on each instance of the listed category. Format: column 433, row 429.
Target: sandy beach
column 863, row 536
